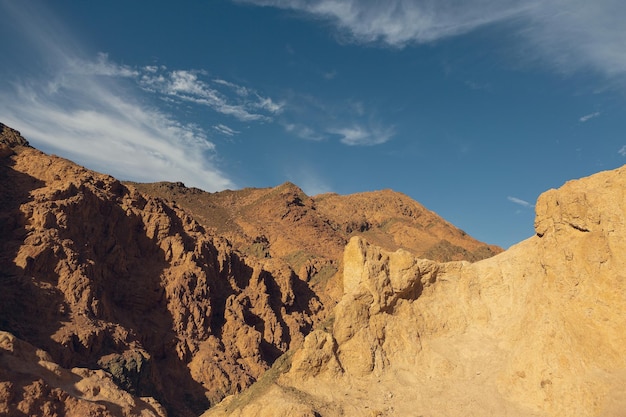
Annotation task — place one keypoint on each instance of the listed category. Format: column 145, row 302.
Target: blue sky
column 473, row 108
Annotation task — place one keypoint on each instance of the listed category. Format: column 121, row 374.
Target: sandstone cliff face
column 99, row 276
column 534, row 331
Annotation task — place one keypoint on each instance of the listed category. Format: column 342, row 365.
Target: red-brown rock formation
column 100, row 276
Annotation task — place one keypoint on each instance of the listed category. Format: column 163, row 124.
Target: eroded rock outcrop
column 534, row 331
column 101, row 276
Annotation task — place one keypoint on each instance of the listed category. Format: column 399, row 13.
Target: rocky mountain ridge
column 285, row 219
column 116, row 300
column 309, row 233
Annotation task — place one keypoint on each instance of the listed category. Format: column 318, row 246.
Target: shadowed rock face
column 102, row 277
column 534, row 331
column 116, row 300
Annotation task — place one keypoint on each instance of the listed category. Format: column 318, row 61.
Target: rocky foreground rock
column 535, row 331
column 117, row 301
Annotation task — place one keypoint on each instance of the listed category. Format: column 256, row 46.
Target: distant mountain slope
column 309, row 233
column 290, row 220
column 392, row 221
column 535, row 331
column 156, row 297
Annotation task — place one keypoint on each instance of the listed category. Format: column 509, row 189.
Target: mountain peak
column 11, row 137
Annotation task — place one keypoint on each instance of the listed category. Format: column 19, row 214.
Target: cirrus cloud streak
column 520, row 202
column 567, row 34
column 90, row 110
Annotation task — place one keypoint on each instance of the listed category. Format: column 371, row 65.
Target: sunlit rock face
column 534, row 331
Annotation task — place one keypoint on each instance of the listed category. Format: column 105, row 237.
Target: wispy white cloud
column 398, row 22
column 112, row 133
column 266, row 103
column 567, row 34
column 188, row 85
column 519, row 201
column 355, row 134
column 589, row 116
column 257, row 100
column 151, row 68
column 102, row 66
column 363, row 135
column 578, row 35
column 304, row 132
column 240, row 90
column 622, row 150
column 225, row 130
column 349, row 121
column 89, row 111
